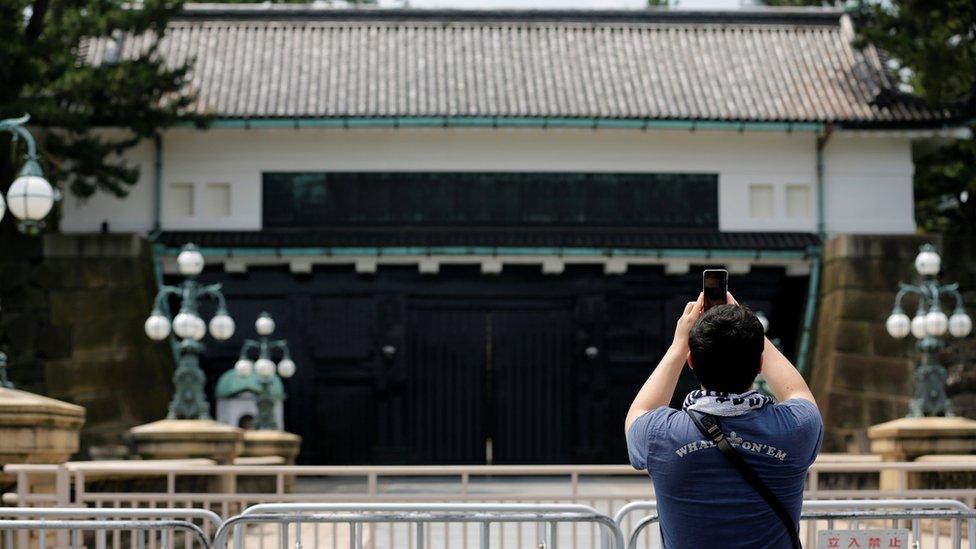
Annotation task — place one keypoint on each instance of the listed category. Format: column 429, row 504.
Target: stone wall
column 73, row 309
column 861, row 376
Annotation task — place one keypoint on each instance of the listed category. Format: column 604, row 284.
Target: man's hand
column 682, row 331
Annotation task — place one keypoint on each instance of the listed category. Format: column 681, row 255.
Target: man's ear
column 688, row 360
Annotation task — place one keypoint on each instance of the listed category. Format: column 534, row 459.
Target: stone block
column 872, row 374
column 93, row 245
column 56, row 343
column 112, row 273
column 74, row 305
column 852, row 337
column 908, row 438
column 881, row 409
column 25, row 298
column 882, row 344
column 869, row 306
column 845, row 410
column 903, row 247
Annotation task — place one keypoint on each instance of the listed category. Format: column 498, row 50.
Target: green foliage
column 41, row 74
column 945, row 189
column 931, row 50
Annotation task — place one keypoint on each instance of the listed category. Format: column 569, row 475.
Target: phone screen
column 715, row 285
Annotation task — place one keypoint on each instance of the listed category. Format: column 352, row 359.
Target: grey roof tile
column 301, row 62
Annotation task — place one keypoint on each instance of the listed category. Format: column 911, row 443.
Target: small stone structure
column 926, row 438
column 237, row 399
column 188, row 439
column 267, row 443
column 37, row 429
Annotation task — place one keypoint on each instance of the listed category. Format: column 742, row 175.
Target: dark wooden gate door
column 489, row 384
column 446, row 385
column 532, row 372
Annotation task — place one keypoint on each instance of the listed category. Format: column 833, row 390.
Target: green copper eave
column 676, row 253
column 513, row 122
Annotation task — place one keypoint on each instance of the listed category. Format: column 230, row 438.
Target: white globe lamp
column 157, row 326
column 286, row 368
column 918, row 326
column 3, row 207
column 30, row 197
column 190, row 261
column 265, row 325
column 960, row 325
column 898, row 325
column 222, row 326
column 928, row 262
column 936, row 323
column 189, row 326
column 264, row 367
column 244, row 367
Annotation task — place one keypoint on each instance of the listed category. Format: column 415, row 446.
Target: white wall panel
column 859, row 168
column 868, row 185
column 134, row 213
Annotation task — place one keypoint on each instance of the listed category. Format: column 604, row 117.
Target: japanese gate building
column 476, row 229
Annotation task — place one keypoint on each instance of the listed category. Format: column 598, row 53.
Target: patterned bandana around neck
column 725, row 404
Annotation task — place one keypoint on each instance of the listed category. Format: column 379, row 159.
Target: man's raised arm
column 782, row 377
column 659, row 387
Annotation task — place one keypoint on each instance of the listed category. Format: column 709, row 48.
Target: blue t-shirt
column 702, row 500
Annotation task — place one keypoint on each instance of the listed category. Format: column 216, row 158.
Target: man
column 703, row 501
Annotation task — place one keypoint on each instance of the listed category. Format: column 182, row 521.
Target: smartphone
column 715, row 286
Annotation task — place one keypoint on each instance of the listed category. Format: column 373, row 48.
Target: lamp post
column 265, row 367
column 928, row 326
column 189, row 400
column 30, row 197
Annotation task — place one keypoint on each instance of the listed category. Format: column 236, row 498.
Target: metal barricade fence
column 206, row 521
column 923, row 517
column 143, row 531
column 411, row 526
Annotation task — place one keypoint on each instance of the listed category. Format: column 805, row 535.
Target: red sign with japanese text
column 863, row 539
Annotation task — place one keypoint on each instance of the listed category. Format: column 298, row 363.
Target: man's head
column 726, row 345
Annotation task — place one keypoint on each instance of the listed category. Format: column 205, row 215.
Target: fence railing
column 926, row 519
column 206, row 521
column 228, row 490
column 145, row 533
column 922, row 523
column 389, row 526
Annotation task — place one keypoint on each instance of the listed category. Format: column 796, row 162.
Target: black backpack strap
column 709, row 427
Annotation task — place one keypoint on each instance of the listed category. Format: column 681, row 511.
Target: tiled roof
column 305, row 62
column 493, row 237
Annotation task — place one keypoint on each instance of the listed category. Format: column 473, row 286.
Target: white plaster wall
column 133, row 213
column 868, row 185
column 238, row 157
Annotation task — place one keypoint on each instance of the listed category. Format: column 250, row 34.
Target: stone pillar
column 908, row 438
column 188, row 438
column 861, row 376
column 263, row 443
column 37, row 429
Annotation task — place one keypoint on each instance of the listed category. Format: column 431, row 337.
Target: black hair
column 726, row 346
